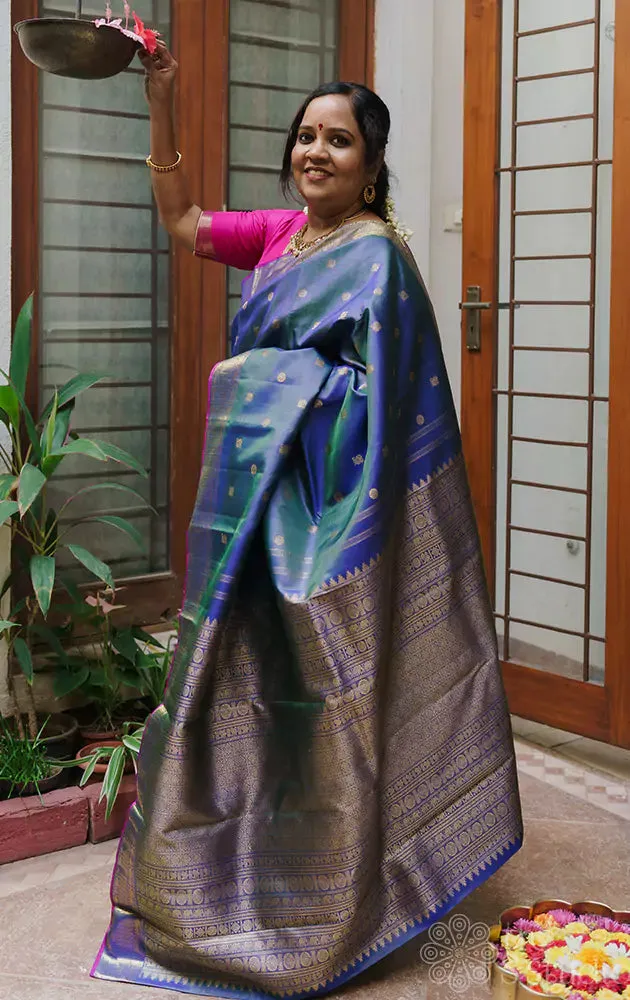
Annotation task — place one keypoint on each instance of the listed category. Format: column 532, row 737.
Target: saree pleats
column 332, row 768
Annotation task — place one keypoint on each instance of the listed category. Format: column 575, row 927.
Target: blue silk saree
column 332, row 769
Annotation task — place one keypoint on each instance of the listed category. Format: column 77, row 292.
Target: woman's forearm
column 178, row 213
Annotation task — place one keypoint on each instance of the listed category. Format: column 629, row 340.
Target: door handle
column 473, row 305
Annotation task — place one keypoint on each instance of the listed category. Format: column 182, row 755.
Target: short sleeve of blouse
column 233, row 238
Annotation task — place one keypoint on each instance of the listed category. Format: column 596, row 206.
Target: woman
column 332, row 769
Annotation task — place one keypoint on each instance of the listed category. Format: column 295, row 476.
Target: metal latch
column 473, row 305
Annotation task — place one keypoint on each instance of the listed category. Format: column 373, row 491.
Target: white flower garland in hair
column 392, row 220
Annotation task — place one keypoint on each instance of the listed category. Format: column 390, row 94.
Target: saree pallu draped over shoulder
column 332, row 769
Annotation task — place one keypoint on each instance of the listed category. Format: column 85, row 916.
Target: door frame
column 599, row 712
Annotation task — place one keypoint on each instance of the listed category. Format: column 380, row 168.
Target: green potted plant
column 37, row 448
column 113, row 760
column 25, row 768
column 121, row 660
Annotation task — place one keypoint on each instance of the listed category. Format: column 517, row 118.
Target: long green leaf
column 6, row 625
column 93, row 761
column 21, row 347
column 69, row 680
column 76, row 385
column 80, row 446
column 9, row 407
column 120, row 455
column 30, row 486
column 49, row 430
column 51, row 638
column 116, row 522
column 124, row 642
column 132, row 743
column 28, row 419
column 7, row 482
column 100, row 569
column 25, row 659
column 6, row 586
column 62, row 424
column 109, row 486
column 43, row 580
column 7, row 509
column 112, row 779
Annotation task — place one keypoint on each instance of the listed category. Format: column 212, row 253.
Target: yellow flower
column 621, row 937
column 592, row 954
column 601, row 935
column 513, row 942
column 553, row 954
column 606, row 995
column 626, row 993
column 543, row 938
column 519, row 962
column 533, row 978
column 623, row 962
column 590, row 971
column 576, row 928
column 557, row 989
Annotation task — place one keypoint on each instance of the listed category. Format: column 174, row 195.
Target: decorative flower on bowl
column 578, row 951
column 144, row 36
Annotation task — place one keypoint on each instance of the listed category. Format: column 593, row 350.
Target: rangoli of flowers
column 144, row 36
column 565, row 954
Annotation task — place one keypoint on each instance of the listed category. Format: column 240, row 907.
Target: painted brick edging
column 63, row 818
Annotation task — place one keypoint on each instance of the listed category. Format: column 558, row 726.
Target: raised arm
column 178, row 213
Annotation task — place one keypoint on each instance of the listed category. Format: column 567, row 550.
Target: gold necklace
column 297, row 244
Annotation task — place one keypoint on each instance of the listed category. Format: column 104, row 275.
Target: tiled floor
column 54, row 910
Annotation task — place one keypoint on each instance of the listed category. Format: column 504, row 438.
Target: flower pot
column 102, row 765
column 75, row 48
column 61, row 735
column 45, row 785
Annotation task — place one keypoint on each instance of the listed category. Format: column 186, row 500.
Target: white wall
column 5, row 251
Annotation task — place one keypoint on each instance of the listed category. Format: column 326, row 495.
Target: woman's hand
column 160, row 72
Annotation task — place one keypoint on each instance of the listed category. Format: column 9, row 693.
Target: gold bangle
column 164, row 170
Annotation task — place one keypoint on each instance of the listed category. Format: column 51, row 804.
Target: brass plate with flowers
column 578, row 951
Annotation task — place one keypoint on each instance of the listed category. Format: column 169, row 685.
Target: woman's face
column 328, row 158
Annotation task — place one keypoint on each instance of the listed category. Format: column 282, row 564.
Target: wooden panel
column 481, row 127
column 200, row 45
column 557, row 701
column 25, row 159
column 356, row 36
column 618, row 549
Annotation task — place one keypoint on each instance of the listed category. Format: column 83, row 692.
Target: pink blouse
column 246, row 239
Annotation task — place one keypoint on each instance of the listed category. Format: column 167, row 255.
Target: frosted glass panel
column 279, row 52
column 553, row 342
column 104, row 294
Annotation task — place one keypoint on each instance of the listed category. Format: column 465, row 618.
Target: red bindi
column 320, row 127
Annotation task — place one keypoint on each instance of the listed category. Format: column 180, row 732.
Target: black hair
column 372, row 117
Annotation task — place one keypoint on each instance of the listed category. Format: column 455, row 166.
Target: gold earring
column 369, row 194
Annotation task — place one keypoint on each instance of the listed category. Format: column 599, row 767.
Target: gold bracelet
column 164, row 170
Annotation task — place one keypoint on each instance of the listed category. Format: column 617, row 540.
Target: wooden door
column 545, row 402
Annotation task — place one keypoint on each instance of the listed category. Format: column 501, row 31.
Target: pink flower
column 127, row 10
column 108, row 11
column 523, row 926
column 146, row 35
column 563, row 917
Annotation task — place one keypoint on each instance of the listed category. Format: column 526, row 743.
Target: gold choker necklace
column 297, row 244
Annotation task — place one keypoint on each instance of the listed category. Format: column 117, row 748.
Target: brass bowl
column 75, row 48
column 505, row 984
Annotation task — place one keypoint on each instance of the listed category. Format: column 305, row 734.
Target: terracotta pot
column 45, row 785
column 102, row 765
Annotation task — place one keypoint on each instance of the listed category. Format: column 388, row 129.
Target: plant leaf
column 21, row 347
column 100, row 569
column 7, row 482
column 80, row 446
column 52, row 638
column 109, row 486
column 116, row 522
column 6, row 625
column 9, row 407
column 112, row 779
column 49, row 431
column 25, row 659
column 7, row 509
column 120, row 455
column 76, row 385
column 30, row 485
column 43, row 580
column 132, row 743
column 69, row 680
column 124, row 642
